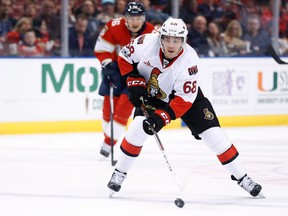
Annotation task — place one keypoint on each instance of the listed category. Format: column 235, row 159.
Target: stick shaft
column 161, row 147
column 112, row 124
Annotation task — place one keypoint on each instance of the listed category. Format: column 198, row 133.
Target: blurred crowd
column 216, row 27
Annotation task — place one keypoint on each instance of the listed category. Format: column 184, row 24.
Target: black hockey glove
column 111, row 74
column 156, row 122
column 136, row 88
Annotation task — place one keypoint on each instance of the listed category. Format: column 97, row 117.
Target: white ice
column 63, row 175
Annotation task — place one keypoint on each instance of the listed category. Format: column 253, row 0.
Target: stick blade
column 271, row 51
column 113, row 162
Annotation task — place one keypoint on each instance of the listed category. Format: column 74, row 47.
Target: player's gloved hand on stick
column 149, row 126
column 136, row 88
column 111, row 74
column 156, row 122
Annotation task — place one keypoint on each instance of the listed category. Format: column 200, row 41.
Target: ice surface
column 64, row 175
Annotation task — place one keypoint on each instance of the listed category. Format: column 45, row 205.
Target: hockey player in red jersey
column 164, row 70
column 116, row 34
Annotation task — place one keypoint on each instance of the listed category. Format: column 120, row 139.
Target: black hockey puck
column 179, row 203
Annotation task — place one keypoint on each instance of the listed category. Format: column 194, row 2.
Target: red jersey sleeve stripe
column 179, row 106
column 125, row 67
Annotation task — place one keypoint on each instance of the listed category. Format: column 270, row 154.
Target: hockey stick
column 113, row 162
column 180, row 186
column 271, row 51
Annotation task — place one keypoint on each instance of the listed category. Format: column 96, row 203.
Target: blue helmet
column 135, row 9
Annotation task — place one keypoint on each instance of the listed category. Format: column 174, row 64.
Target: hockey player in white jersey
column 163, row 70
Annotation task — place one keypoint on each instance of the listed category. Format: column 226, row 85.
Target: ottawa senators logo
column 207, row 114
column 153, row 86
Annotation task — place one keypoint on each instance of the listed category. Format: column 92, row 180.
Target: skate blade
column 103, row 158
column 111, row 193
column 261, row 196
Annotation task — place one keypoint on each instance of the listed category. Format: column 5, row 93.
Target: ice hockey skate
column 116, row 181
column 105, row 150
column 249, row 185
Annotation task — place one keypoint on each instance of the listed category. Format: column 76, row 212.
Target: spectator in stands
column 16, row 34
column 157, row 24
column 225, row 19
column 283, row 22
column 210, row 10
column 53, row 22
column 107, row 13
column 236, row 46
column 197, row 37
column 265, row 13
column 29, row 46
column 189, row 12
column 73, row 5
column 71, row 14
column 40, row 30
column 93, row 28
column 237, row 8
column 167, row 6
column 120, row 8
column 44, row 40
column 7, row 22
column 256, row 37
column 152, row 13
column 29, row 10
column 248, row 7
column 216, row 40
column 79, row 41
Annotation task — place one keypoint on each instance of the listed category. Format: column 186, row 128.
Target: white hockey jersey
column 163, row 77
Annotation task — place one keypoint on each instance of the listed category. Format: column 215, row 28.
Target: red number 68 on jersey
column 190, row 87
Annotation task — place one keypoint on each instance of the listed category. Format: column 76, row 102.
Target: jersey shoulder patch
column 193, row 70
